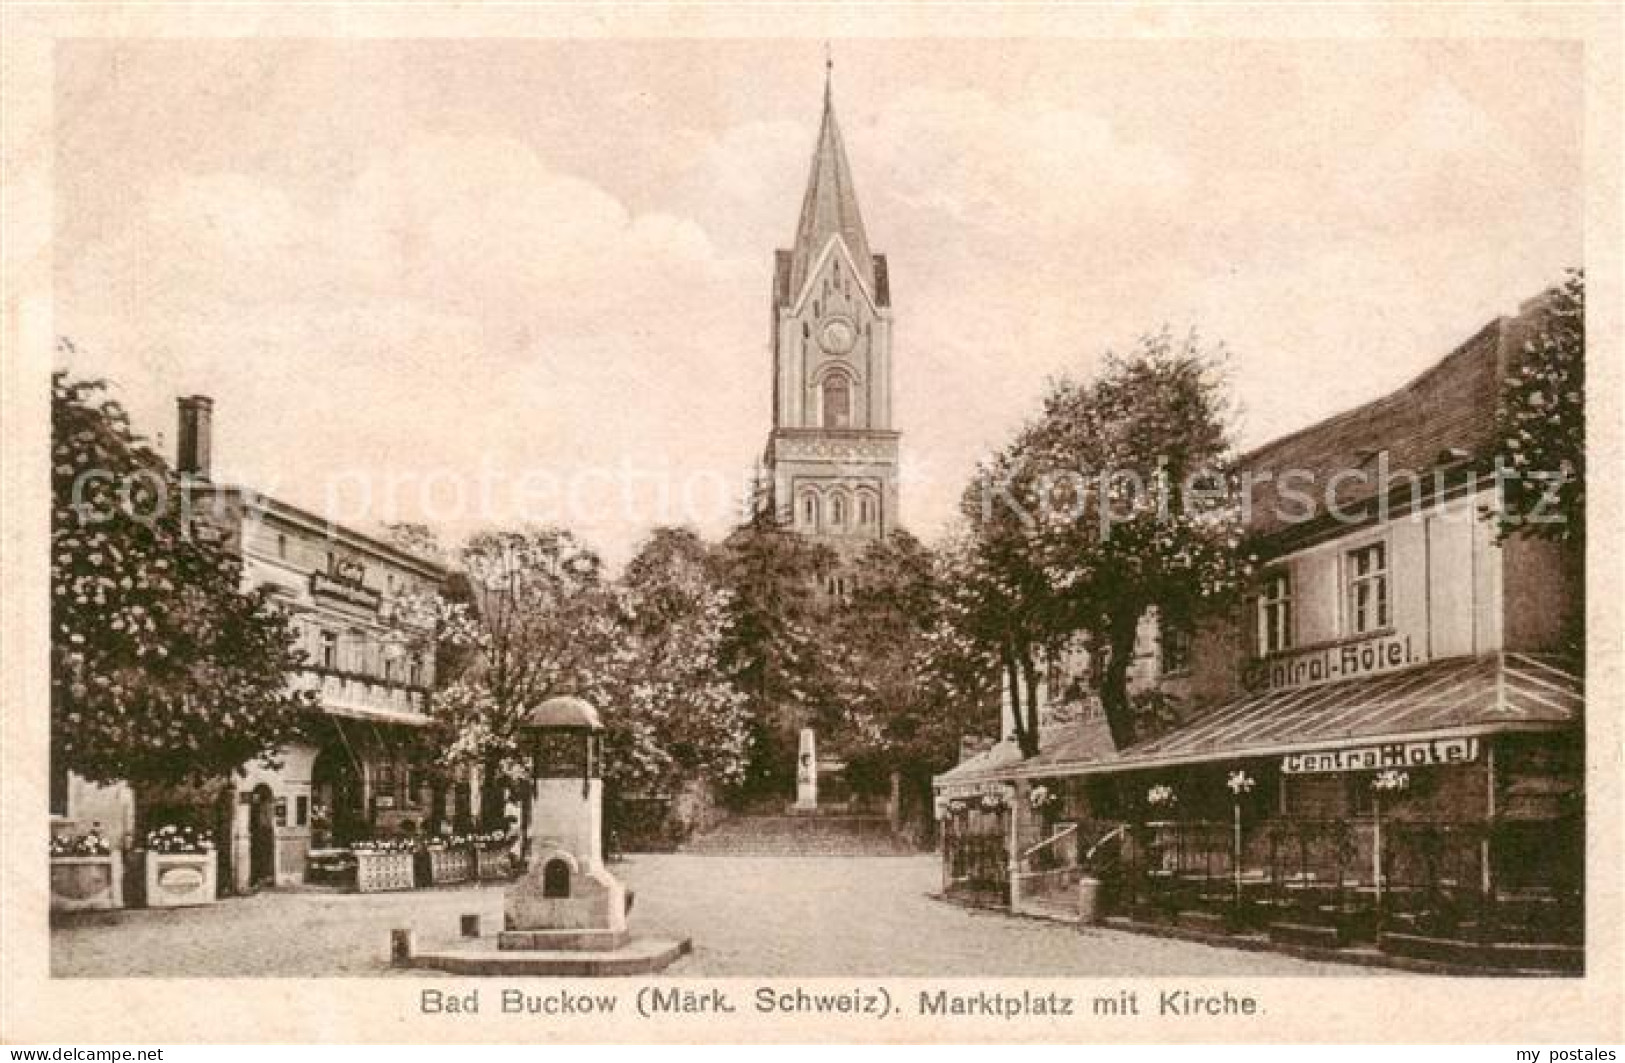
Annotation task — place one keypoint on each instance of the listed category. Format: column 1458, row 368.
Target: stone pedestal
column 807, row 773
column 567, row 914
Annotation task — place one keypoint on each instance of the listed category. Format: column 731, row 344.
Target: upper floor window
column 866, row 510
column 1275, row 613
column 1367, row 586
column 416, row 678
column 1175, row 639
column 809, row 510
column 837, row 510
column 329, row 649
column 837, row 401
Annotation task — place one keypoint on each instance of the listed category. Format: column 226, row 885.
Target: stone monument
column 566, row 898
column 567, row 914
column 807, row 773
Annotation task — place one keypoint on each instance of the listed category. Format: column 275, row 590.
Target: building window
column 1367, row 575
column 417, row 670
column 281, row 546
column 837, row 510
column 1175, row 639
column 866, row 510
column 837, row 401
column 330, row 649
column 809, row 510
column 1275, row 614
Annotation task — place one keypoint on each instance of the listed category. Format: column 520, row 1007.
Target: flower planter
column 491, row 865
column 447, row 866
column 376, row 872
column 178, row 880
column 83, row 882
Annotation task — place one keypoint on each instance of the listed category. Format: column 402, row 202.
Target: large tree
column 164, row 670
column 671, row 712
column 908, row 691
column 1118, row 499
column 773, row 651
column 535, row 624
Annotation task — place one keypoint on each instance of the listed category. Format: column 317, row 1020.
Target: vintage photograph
column 823, row 506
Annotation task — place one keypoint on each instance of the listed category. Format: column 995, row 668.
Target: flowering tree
column 534, row 625
column 670, row 710
column 1117, row 499
column 1542, row 426
column 163, row 669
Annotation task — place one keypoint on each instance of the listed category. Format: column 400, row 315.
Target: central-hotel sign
column 1426, row 754
column 1327, row 664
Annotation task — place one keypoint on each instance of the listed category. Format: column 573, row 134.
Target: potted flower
column 178, row 867
column 85, row 872
column 384, row 864
column 1161, row 798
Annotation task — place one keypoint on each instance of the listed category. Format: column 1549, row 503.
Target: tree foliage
column 1541, row 428
column 164, row 670
column 532, row 624
column 1117, row 499
column 671, row 712
column 773, row 651
column 907, row 687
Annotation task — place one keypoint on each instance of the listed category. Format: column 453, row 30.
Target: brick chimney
column 194, row 444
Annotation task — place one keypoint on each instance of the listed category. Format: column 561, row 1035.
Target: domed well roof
column 565, row 712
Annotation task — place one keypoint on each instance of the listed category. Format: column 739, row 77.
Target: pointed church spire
column 830, row 207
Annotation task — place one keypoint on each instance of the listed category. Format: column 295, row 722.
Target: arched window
column 809, row 510
column 837, row 401
column 837, row 510
column 866, row 510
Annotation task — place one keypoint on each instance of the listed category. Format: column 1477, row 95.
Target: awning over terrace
column 1460, row 697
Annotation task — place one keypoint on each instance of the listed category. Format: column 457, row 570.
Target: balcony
column 365, row 696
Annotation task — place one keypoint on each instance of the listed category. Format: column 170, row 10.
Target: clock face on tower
column 837, row 336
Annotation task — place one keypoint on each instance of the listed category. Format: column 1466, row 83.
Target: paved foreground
column 748, row 916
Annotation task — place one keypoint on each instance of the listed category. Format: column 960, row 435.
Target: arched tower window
column 837, row 401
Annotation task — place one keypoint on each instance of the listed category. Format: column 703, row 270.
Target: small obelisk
column 807, row 773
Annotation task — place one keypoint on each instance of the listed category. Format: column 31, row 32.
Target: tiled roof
column 1449, row 407
column 1459, row 696
column 989, row 764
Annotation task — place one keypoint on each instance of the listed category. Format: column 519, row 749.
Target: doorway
column 262, row 838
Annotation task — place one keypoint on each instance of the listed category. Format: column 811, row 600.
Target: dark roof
column 1450, row 407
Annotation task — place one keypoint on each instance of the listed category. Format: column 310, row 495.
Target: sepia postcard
column 885, row 523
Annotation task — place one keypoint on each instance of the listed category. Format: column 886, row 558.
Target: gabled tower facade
column 831, row 459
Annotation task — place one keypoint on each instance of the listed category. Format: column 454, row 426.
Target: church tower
column 831, row 459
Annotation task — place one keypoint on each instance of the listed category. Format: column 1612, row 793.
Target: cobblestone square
column 747, row 916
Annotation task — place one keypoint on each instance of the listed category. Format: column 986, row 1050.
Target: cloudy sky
column 486, row 281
